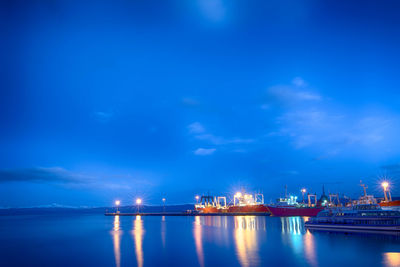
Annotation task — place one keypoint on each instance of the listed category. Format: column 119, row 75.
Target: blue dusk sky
column 106, row 100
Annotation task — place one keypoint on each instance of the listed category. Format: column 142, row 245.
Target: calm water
column 96, row 240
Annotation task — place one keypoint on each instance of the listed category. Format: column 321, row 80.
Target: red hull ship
column 394, row 204
column 289, row 206
column 242, row 204
column 282, row 211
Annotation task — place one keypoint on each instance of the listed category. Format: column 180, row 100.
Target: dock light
column 138, row 202
column 163, row 200
column 117, row 202
column 238, row 194
column 197, row 198
column 386, row 191
column 385, row 185
column 303, row 191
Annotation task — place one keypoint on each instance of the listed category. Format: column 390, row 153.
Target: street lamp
column 138, row 202
column 303, row 191
column 117, row 202
column 386, row 190
column 197, row 199
column 163, row 200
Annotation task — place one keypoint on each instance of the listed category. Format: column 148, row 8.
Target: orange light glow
column 385, row 185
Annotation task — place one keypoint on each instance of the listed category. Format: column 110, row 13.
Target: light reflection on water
column 245, row 236
column 96, row 240
column 138, row 232
column 391, row 259
column 197, row 234
column 246, row 240
column 116, row 233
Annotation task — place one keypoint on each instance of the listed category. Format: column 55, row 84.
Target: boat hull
column 391, row 205
column 339, row 227
column 248, row 209
column 287, row 211
column 237, row 210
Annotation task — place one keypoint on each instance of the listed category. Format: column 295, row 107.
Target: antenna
column 285, row 190
column 364, row 187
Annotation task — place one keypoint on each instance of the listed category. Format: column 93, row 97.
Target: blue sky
column 105, row 100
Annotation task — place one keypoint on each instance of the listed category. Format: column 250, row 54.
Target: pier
column 189, row 214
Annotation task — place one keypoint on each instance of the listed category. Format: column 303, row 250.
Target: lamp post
column 163, row 200
column 197, row 199
column 385, row 186
column 117, row 202
column 303, row 191
column 138, row 202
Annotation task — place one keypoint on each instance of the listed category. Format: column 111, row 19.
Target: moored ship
column 242, row 204
column 288, row 206
column 387, row 203
column 360, row 217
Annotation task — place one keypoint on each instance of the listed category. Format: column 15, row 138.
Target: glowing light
column 138, row 232
column 197, row 234
column 392, row 258
column 163, row 199
column 246, row 242
column 238, row 194
column 138, row 201
column 385, row 185
column 117, row 202
column 303, row 190
column 116, row 236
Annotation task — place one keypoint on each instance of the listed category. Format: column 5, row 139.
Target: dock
column 189, row 214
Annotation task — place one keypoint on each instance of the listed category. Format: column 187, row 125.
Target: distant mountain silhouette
column 99, row 210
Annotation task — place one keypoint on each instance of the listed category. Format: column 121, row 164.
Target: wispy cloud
column 190, row 102
column 199, row 132
column 59, row 176
column 196, row 128
column 204, row 151
column 53, row 174
column 308, row 122
column 296, row 93
column 103, row 116
column 290, row 94
column 213, row 10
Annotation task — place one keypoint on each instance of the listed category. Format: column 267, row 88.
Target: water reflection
column 246, row 240
column 292, row 225
column 300, row 239
column 309, row 249
column 197, row 232
column 116, row 233
column 138, row 232
column 391, row 259
column 163, row 230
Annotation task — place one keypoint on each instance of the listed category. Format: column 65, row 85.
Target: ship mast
column 364, row 187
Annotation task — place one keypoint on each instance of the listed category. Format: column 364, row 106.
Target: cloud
column 54, row 174
column 289, row 94
column 200, row 133
column 60, row 176
column 299, row 82
column 196, row 128
column 204, row 151
column 190, row 102
column 213, row 10
column 103, row 116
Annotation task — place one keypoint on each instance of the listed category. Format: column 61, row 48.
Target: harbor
column 325, row 213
